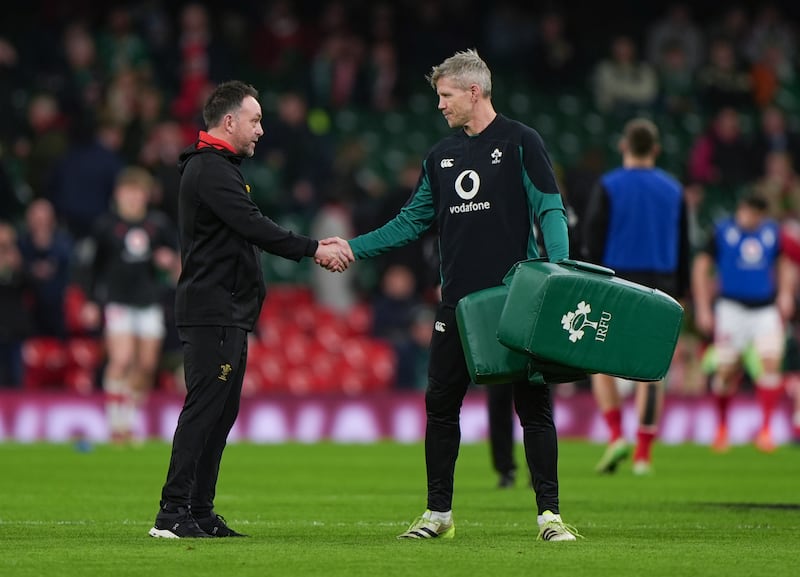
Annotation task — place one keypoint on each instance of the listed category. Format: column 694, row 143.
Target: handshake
column 334, row 254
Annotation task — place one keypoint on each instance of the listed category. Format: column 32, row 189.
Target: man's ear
column 656, row 150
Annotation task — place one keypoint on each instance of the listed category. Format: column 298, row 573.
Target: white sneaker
column 552, row 528
column 614, row 454
column 642, row 468
column 425, row 528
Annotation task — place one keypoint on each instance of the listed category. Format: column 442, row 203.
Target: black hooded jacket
column 221, row 231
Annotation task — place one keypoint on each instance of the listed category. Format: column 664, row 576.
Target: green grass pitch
column 330, row 510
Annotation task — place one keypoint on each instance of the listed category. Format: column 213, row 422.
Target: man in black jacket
column 219, row 297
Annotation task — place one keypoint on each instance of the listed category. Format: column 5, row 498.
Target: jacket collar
column 205, row 140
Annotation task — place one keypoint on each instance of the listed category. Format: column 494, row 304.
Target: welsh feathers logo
column 224, row 371
column 575, row 322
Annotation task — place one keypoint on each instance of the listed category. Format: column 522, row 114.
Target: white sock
column 114, row 389
column 439, row 516
column 127, row 413
column 542, row 519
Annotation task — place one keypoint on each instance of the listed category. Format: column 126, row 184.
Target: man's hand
column 90, row 315
column 165, row 258
column 334, row 254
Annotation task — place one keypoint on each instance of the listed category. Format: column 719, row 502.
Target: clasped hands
column 334, row 254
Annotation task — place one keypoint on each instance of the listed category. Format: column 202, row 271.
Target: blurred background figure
column 159, row 154
column 337, row 292
column 394, row 309
column 46, row 251
column 743, row 295
column 281, row 44
column 83, row 178
column 554, row 59
column 16, row 322
column 624, row 84
column 42, row 142
column 300, row 158
column 134, row 257
column 769, row 28
column 774, row 134
column 790, row 246
column 720, row 160
column 636, row 224
column 203, row 61
column 780, row 187
column 383, row 76
column 414, row 376
column 677, row 96
column 724, row 80
column 676, row 28
column 500, row 403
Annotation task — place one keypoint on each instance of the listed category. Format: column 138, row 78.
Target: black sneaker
column 507, row 480
column 177, row 525
column 215, row 526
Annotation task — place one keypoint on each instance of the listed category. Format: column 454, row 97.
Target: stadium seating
column 71, row 364
column 300, row 347
column 44, row 361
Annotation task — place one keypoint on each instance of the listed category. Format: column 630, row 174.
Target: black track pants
column 214, row 360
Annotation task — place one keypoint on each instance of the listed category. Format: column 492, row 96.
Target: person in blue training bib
column 742, row 285
column 636, row 224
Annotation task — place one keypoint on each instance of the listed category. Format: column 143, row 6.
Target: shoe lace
column 422, row 521
column 194, row 524
column 558, row 526
column 416, row 523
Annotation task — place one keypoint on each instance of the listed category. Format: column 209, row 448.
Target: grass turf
column 330, row 510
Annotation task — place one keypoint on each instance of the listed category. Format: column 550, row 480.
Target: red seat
column 300, row 381
column 352, row 381
column 85, row 352
column 325, row 368
column 269, row 332
column 44, row 361
column 382, row 365
column 285, row 297
column 359, row 319
column 252, row 383
column 269, row 364
column 331, row 333
column 356, row 352
column 74, row 299
column 304, row 348
column 296, row 347
column 304, row 316
column 79, row 380
column 167, row 381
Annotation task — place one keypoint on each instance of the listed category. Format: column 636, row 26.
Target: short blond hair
column 136, row 176
column 464, row 68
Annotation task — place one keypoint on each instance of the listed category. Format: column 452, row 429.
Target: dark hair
column 226, row 98
column 641, row 136
column 754, row 200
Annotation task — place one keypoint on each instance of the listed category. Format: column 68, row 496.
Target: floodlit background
column 88, row 88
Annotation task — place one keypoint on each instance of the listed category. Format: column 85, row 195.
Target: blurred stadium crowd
column 90, row 88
